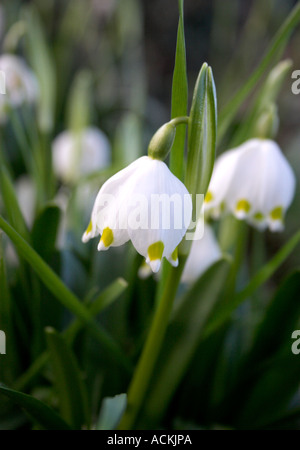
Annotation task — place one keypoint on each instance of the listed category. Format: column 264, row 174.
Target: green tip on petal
column 155, row 252
column 174, row 258
column 259, row 217
column 277, row 213
column 209, row 197
column 106, row 239
column 85, row 236
column 242, row 208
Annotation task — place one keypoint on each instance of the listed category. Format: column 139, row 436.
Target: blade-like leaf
column 276, row 46
column 272, row 392
column 68, row 380
column 42, row 63
column 282, row 315
column 179, row 99
column 11, row 203
column 64, row 295
column 45, row 229
column 38, row 411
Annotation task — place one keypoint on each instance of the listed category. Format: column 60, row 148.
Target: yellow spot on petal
column 258, row 216
column 174, row 255
column 277, row 213
column 209, row 197
column 89, row 228
column 243, row 205
column 107, row 237
column 155, row 251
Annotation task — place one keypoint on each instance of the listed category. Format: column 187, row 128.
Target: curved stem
column 145, row 367
column 179, row 120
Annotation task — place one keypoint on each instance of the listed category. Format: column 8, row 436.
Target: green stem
column 145, row 367
column 179, row 120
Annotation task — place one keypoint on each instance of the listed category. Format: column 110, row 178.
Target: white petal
column 110, row 201
column 204, row 252
column 223, row 173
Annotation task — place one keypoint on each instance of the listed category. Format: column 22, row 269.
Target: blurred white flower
column 253, row 181
column 204, row 252
column 135, row 204
column 78, row 154
column 20, row 84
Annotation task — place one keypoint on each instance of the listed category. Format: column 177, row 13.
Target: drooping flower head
column 254, row 182
column 144, row 203
column 20, row 84
column 78, row 154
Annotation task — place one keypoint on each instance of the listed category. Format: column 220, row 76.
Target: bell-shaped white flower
column 144, row 203
column 78, row 154
column 204, row 252
column 19, row 82
column 253, row 181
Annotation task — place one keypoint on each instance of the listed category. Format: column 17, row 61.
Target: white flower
column 77, row 154
column 204, row 252
column 19, row 81
column 253, row 181
column 144, row 203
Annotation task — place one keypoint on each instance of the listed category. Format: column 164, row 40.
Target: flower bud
column 268, row 122
column 162, row 141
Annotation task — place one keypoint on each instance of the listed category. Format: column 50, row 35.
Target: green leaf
column 11, row 203
column 102, row 301
column 179, row 99
column 225, row 311
column 45, row 229
column 43, row 66
column 38, row 411
column 266, row 96
column 201, row 135
column 282, row 315
column 271, row 395
column 71, row 390
column 79, row 102
column 182, row 338
column 276, row 46
column 111, row 412
column 6, row 321
column 64, row 295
